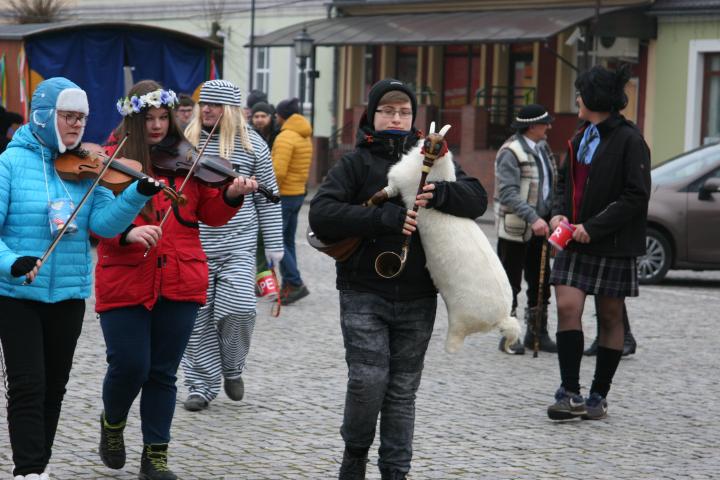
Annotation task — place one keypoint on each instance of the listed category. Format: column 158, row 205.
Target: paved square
column 480, row 413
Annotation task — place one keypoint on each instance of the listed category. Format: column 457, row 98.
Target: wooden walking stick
column 540, row 300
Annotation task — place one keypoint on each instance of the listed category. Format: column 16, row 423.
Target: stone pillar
column 320, row 161
column 425, row 115
column 474, row 129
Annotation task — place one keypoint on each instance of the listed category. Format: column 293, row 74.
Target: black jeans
column 385, row 345
column 517, row 257
column 38, row 342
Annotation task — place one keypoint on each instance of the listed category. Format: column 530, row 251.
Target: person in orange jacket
column 148, row 303
column 292, row 156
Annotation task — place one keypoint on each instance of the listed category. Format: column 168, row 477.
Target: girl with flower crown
column 147, row 303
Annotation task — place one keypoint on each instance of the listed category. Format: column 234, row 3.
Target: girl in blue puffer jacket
column 42, row 319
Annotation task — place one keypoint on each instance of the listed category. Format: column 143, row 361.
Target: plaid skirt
column 607, row 276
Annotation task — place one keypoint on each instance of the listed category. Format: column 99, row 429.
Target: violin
column 88, row 162
column 212, row 170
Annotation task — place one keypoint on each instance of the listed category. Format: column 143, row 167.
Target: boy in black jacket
column 386, row 323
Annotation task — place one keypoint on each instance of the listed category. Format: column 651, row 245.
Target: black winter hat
column 256, row 96
column 530, row 115
column 263, row 107
column 603, row 90
column 288, row 107
column 381, row 88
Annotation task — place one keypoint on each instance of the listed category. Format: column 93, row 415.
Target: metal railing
column 503, row 102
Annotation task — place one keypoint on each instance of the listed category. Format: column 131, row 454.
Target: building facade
column 474, row 63
column 685, row 95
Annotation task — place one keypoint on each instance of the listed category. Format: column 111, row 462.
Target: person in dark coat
column 263, row 121
column 603, row 192
column 9, row 123
column 386, row 323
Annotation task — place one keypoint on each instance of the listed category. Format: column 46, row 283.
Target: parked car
column 684, row 215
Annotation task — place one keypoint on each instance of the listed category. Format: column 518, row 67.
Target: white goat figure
column 460, row 259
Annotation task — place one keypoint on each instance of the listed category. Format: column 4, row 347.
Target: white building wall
column 195, row 17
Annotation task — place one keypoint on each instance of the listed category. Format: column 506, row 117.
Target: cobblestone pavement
column 480, row 413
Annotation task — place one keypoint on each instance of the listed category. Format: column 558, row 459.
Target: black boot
column 592, row 349
column 546, row 344
column 629, row 344
column 354, row 464
column 392, row 475
column 517, row 347
column 112, row 444
column 153, row 463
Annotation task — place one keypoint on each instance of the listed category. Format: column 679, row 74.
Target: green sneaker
column 153, row 463
column 112, row 444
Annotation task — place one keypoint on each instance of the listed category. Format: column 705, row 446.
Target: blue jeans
column 385, row 344
column 144, row 348
column 288, row 266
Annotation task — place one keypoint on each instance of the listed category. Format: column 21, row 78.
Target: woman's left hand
column 580, row 235
column 241, row 186
column 424, row 198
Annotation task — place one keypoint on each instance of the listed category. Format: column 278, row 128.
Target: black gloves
column 148, row 186
column 23, row 266
column 123, row 236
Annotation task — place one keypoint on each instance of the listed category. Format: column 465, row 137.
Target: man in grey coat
column 525, row 172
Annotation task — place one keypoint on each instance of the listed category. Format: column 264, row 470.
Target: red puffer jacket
column 176, row 268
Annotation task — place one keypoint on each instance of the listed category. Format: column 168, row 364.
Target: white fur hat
column 71, row 100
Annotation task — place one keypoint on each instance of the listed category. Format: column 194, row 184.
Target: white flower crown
column 129, row 105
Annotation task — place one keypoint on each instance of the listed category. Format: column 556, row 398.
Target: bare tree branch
column 37, row 11
column 214, row 11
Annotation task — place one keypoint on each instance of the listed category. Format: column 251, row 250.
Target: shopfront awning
column 434, row 28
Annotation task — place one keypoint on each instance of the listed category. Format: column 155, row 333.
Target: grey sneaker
column 234, row 388
column 568, row 405
column 195, row 403
column 596, row 407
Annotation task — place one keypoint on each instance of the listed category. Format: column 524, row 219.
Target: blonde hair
column 232, row 124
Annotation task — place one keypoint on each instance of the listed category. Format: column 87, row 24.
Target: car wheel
column 654, row 265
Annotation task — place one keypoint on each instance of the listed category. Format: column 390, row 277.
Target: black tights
column 610, row 311
column 571, row 303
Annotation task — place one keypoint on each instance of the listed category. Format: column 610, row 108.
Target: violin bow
column 75, row 212
column 194, row 165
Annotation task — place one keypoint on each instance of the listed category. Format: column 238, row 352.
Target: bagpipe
column 462, row 264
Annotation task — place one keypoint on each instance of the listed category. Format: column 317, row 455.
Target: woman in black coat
column 603, row 192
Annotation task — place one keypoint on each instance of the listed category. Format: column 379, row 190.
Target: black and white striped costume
column 223, row 329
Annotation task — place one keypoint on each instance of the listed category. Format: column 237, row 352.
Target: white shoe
column 32, row 476
column 19, row 477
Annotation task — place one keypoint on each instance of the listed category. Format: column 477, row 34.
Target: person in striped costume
column 220, row 341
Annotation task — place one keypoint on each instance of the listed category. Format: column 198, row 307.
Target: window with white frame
column 262, row 69
column 310, row 67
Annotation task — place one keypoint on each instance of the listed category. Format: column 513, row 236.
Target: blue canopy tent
column 96, row 57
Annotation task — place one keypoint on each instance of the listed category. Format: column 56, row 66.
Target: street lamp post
column 303, row 44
